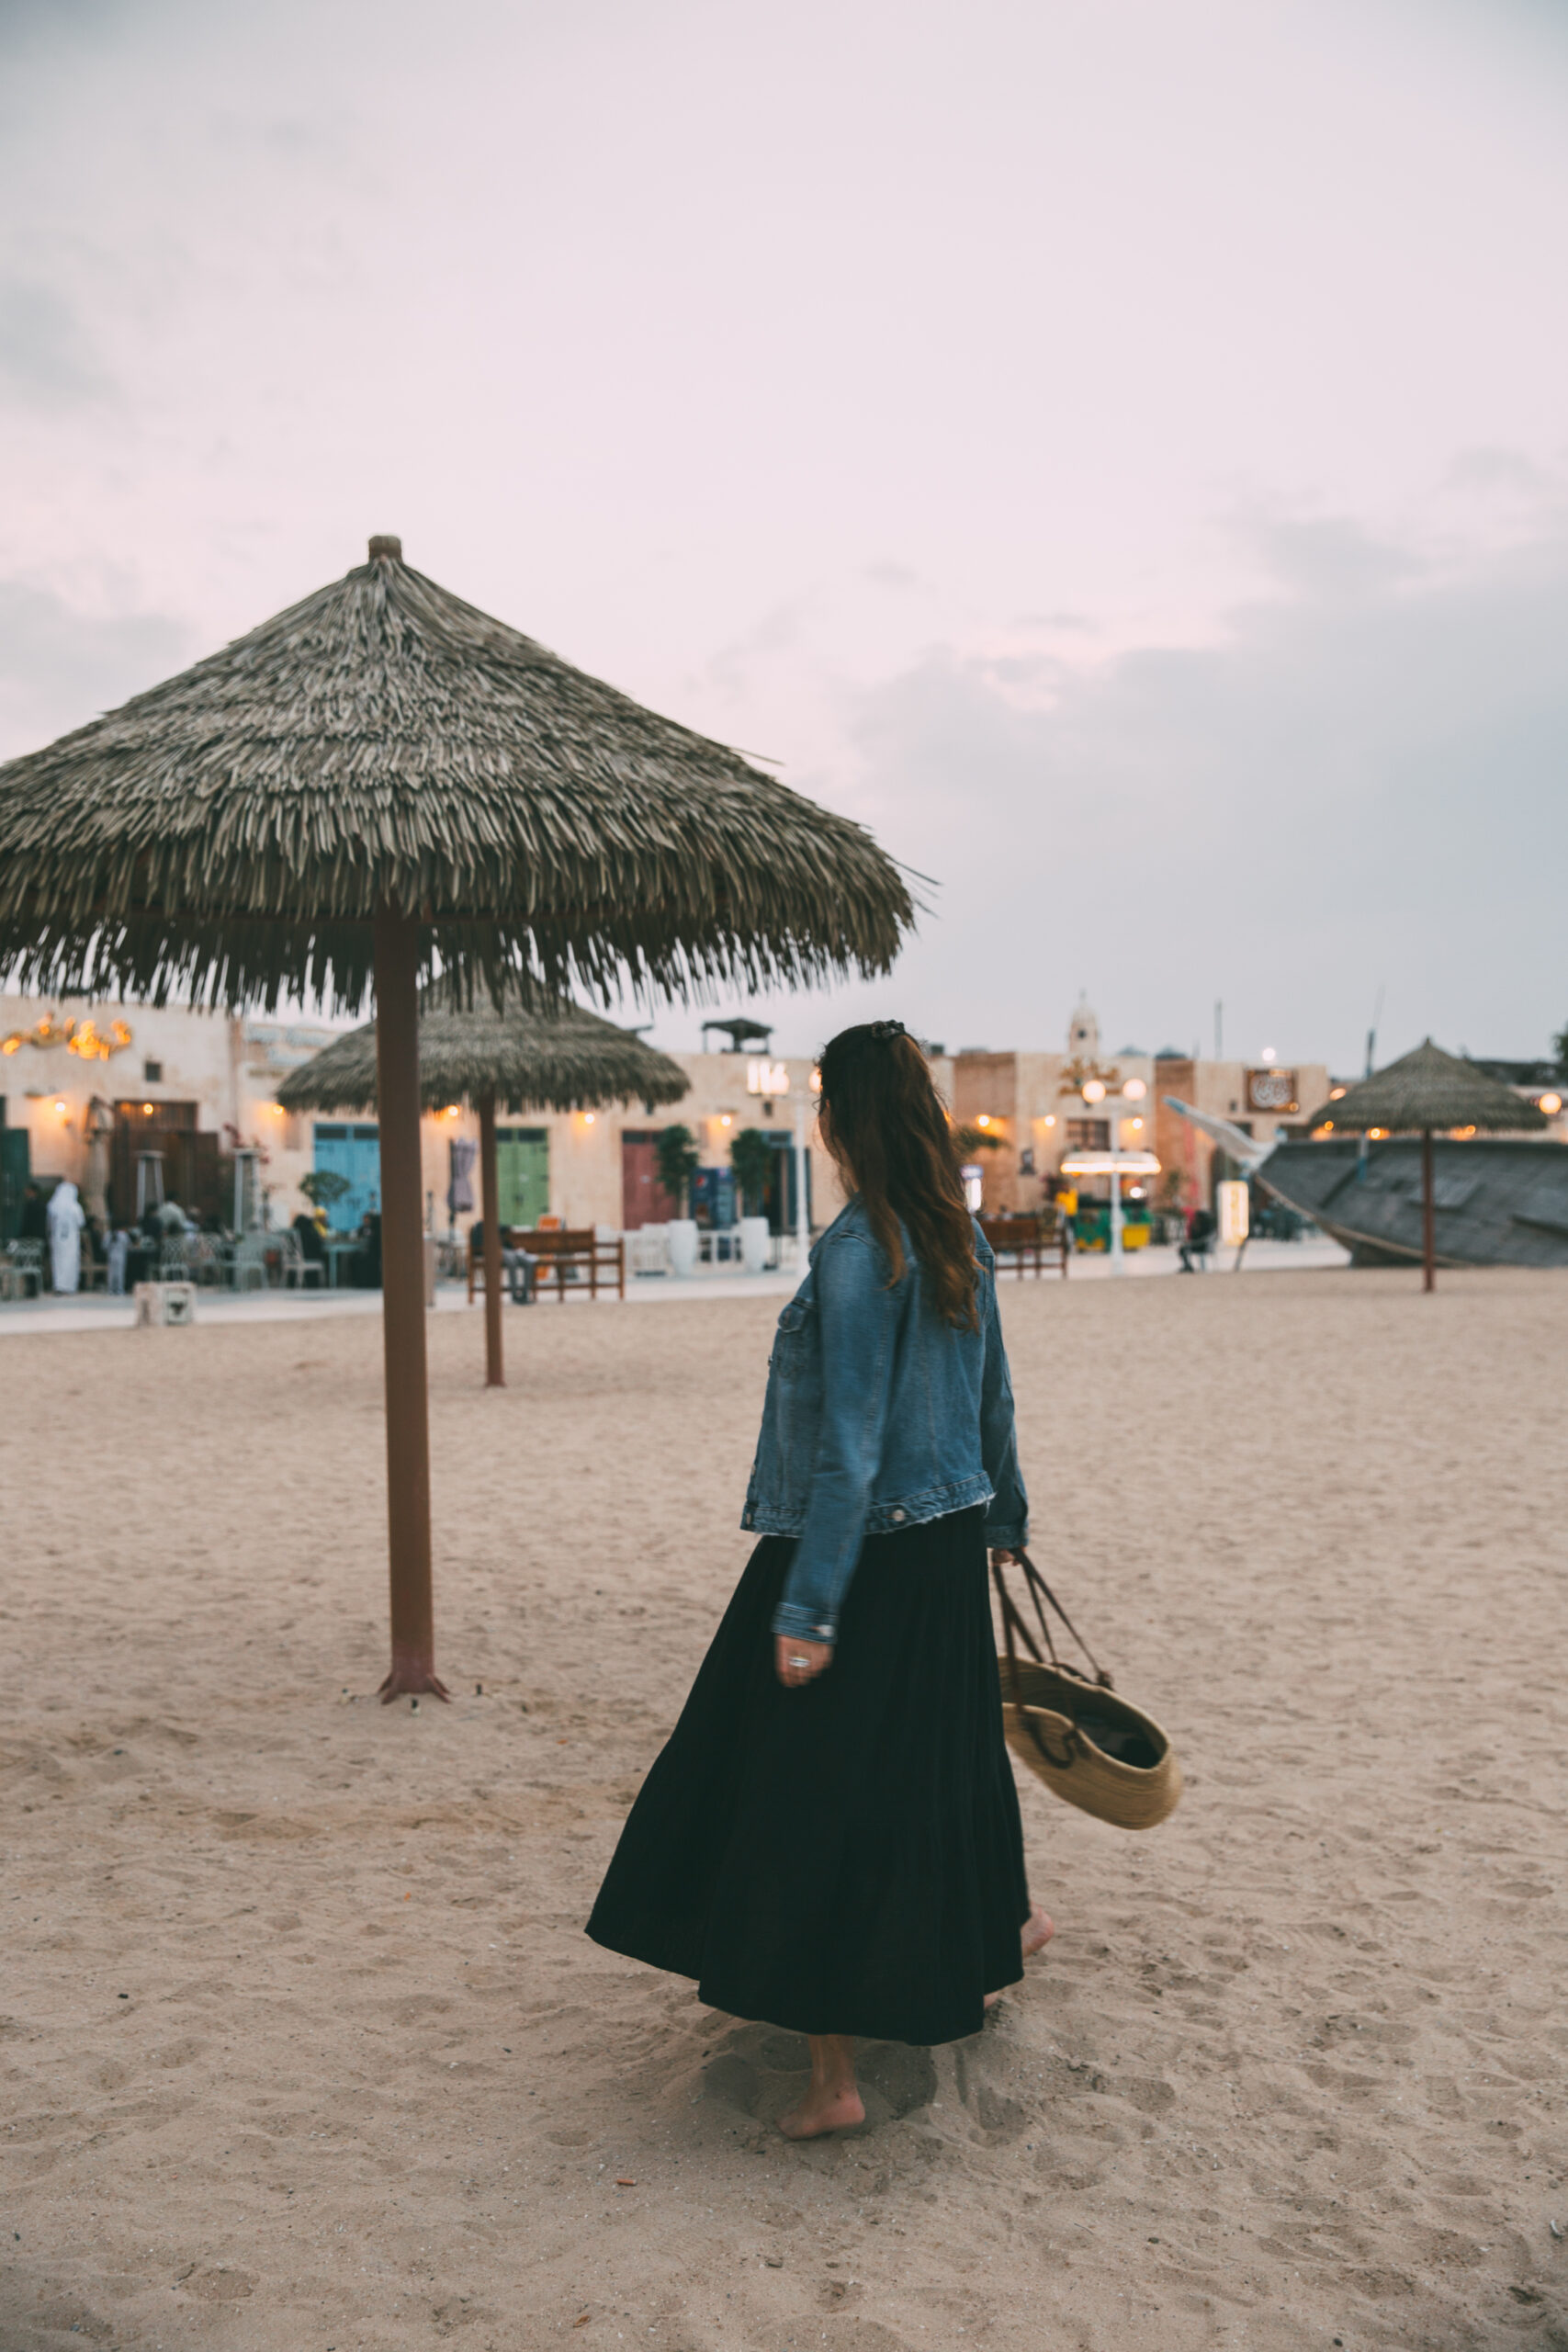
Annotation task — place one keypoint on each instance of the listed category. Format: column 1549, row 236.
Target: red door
column 644, row 1199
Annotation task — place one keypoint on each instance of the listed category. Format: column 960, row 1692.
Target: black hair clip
column 888, row 1029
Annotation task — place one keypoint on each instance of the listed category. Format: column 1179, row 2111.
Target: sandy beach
column 304, row 2050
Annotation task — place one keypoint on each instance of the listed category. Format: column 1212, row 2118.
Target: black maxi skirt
column 846, row 1857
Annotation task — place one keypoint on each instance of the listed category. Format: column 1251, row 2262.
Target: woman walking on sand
column 830, row 1840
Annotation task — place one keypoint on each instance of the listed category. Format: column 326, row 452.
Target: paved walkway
column 93, row 1312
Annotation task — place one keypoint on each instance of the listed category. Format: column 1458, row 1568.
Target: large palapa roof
column 558, row 1058
column 232, row 831
column 1428, row 1088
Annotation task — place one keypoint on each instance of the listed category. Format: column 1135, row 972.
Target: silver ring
column 800, row 1661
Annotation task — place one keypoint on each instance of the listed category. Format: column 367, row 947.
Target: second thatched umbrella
column 1428, row 1091
column 545, row 1058
column 384, row 781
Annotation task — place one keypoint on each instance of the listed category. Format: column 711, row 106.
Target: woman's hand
column 799, row 1662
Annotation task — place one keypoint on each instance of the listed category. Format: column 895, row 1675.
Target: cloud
column 1362, row 780
column 45, row 358
column 59, row 667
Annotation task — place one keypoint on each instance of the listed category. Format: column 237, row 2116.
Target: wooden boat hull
column 1497, row 1204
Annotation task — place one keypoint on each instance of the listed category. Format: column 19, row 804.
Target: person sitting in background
column 308, row 1233
column 1200, row 1241
column 516, row 1264
column 1067, row 1209
column 34, row 1225
column 365, row 1265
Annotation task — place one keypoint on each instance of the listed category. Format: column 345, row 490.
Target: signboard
column 767, row 1077
column 1272, row 1091
column 272, row 1048
column 1236, row 1213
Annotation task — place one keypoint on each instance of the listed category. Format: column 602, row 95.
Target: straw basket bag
column 1089, row 1746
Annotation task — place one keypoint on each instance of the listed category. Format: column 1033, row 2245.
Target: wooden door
column 168, row 1128
column 644, row 1199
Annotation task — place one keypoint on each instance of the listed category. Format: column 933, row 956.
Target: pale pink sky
column 1117, row 451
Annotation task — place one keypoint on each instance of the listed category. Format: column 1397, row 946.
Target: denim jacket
column 878, row 1414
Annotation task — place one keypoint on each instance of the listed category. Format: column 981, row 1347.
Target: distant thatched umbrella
column 548, row 1059
column 383, row 780
column 1427, row 1089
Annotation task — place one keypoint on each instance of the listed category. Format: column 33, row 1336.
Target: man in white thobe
column 65, row 1223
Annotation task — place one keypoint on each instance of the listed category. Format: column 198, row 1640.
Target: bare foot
column 1038, row 1931
column 820, row 2111
column 831, row 2103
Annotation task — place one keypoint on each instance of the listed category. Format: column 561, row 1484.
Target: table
column 334, row 1250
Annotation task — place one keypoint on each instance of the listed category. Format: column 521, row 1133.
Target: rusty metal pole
column 1429, row 1215
column 403, row 1307
column 491, row 1196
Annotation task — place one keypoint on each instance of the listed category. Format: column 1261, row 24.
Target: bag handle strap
column 1040, row 1593
column 1014, row 1629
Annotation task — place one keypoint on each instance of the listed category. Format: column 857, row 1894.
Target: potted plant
column 323, row 1188
column 676, row 1153
column 752, row 1156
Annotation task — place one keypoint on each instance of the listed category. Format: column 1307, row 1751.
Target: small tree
column 676, row 1153
column 323, row 1187
column 973, row 1140
column 752, row 1156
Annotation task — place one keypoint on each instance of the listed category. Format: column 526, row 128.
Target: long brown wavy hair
column 884, row 1122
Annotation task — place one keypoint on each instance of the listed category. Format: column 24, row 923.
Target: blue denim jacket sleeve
column 858, row 1318
column 1007, row 1519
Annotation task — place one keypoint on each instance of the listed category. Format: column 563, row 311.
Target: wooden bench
column 1028, row 1240
column 563, row 1251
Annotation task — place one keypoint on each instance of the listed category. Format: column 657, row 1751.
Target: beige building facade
column 1023, row 1113
column 102, row 1091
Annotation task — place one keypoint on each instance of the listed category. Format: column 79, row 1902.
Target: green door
column 522, row 1173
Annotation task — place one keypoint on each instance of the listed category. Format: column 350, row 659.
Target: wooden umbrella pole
column 490, row 1194
column 1429, row 1215
column 403, row 1307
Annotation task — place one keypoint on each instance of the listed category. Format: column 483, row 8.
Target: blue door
column 353, row 1152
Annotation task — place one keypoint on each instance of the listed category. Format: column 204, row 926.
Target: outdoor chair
column 174, row 1260
column 572, row 1253
column 1028, row 1240
column 207, row 1256
column 250, row 1259
column 518, row 1270
column 26, row 1261
column 297, row 1268
column 647, row 1249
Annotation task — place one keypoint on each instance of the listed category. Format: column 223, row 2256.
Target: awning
column 1111, row 1163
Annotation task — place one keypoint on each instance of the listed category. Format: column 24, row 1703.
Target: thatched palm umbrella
column 547, row 1057
column 383, row 782
column 1427, row 1090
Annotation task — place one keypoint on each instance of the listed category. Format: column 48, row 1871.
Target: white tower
column 1083, row 1032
